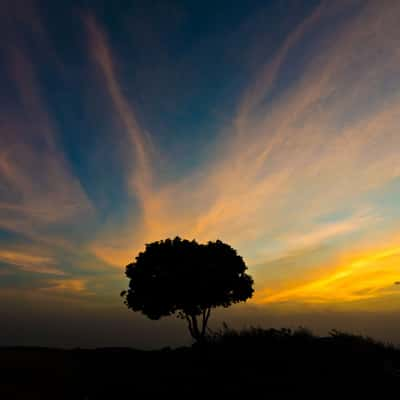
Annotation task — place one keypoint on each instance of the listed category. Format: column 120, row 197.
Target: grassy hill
column 254, row 362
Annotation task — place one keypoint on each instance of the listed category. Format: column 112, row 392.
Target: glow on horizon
column 362, row 277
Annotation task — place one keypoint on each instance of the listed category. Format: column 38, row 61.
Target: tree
column 187, row 279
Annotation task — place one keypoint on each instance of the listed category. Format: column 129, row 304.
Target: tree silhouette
column 187, row 279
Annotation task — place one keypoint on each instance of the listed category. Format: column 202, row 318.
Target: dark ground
column 256, row 362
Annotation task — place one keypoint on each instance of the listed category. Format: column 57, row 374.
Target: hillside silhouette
column 262, row 362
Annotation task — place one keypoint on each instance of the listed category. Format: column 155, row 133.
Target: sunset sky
column 270, row 125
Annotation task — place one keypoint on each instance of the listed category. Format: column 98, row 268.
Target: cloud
column 302, row 152
column 315, row 235
column 142, row 175
column 30, row 262
column 42, row 201
column 37, row 186
column 319, row 145
column 66, row 285
column 360, row 277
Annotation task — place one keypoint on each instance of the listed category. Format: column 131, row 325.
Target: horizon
column 269, row 125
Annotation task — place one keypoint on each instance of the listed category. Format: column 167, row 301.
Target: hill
column 253, row 362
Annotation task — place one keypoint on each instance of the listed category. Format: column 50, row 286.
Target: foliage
column 188, row 279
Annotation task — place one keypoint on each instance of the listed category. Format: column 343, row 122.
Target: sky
column 270, row 125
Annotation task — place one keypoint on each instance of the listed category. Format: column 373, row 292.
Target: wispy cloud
column 363, row 277
column 318, row 146
column 30, row 262
column 40, row 195
column 61, row 286
column 314, row 235
column 137, row 141
column 39, row 188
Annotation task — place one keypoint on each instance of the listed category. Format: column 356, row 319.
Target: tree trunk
column 198, row 332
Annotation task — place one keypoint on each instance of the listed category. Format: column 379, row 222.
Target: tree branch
column 206, row 316
column 190, row 326
column 195, row 327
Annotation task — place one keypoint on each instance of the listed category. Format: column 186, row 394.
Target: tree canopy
column 187, row 279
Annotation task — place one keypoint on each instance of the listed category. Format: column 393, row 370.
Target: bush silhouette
column 187, row 279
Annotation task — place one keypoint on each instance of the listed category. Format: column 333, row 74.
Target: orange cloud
column 362, row 277
column 66, row 286
column 319, row 148
column 30, row 262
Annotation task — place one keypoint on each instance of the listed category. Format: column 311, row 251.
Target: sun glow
column 355, row 278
